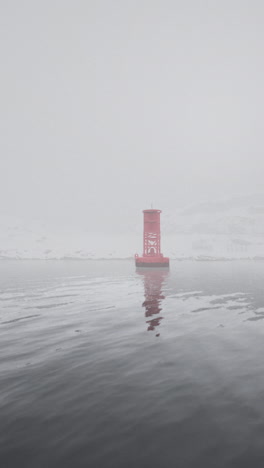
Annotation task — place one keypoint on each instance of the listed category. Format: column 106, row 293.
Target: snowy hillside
column 230, row 229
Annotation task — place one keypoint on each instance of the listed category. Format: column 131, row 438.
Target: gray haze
column 110, row 105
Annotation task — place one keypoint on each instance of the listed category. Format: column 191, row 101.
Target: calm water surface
column 103, row 366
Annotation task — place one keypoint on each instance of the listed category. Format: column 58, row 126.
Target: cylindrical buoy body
column 152, row 256
column 151, row 235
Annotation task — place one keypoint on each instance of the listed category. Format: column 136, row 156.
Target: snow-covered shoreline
column 216, row 231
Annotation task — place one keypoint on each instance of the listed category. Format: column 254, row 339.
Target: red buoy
column 152, row 257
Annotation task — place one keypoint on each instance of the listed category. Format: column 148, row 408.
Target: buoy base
column 152, row 262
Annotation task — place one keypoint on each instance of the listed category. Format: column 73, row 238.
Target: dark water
column 101, row 366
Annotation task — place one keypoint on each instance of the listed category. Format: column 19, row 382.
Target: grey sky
column 119, row 103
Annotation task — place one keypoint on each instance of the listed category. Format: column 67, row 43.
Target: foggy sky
column 115, row 104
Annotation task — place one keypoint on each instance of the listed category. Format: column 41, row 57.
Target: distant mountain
column 223, row 206
column 228, row 229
